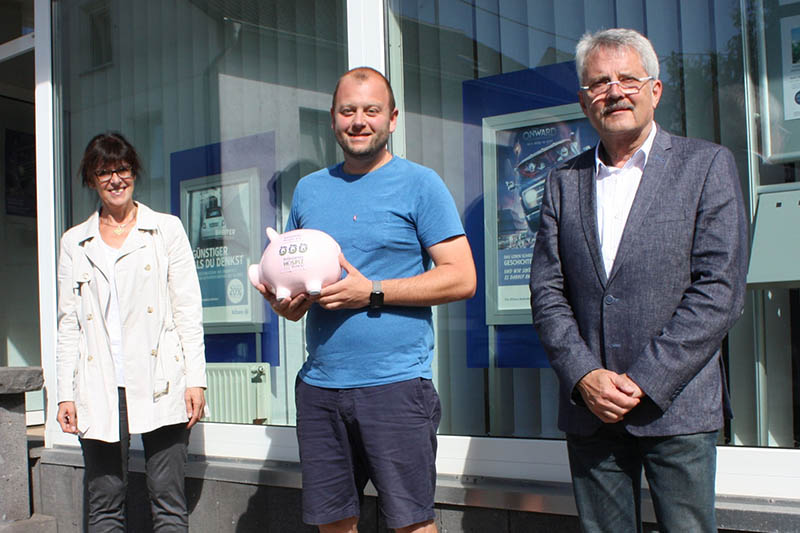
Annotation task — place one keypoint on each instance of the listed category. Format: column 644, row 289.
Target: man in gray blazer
column 638, row 273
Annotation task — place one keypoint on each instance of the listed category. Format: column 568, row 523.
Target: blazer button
column 153, row 352
column 89, row 316
column 147, row 268
column 610, row 299
column 149, row 309
column 177, row 358
column 89, row 358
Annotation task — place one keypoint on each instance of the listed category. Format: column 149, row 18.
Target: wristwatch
column 376, row 296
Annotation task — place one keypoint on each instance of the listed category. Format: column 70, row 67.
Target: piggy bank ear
column 271, row 234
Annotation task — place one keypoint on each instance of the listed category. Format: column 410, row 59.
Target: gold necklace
column 120, row 228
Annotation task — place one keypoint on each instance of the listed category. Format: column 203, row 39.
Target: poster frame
column 779, row 76
column 228, row 179
column 497, row 314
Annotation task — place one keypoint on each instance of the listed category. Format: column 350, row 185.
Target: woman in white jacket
column 130, row 355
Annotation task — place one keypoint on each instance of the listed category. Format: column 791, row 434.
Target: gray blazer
column 676, row 287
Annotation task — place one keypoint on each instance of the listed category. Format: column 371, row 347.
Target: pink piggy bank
column 303, row 260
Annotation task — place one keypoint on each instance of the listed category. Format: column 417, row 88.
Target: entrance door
column 19, row 296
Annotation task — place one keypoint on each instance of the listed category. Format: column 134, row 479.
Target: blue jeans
column 607, row 477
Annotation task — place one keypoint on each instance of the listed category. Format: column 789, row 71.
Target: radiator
column 238, row 393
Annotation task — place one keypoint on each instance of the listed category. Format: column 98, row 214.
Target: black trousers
column 106, row 476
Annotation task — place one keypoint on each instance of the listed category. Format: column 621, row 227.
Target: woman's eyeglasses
column 104, row 174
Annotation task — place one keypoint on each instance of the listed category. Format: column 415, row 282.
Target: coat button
column 177, row 358
column 147, row 268
column 153, row 352
column 89, row 358
column 149, row 309
column 89, row 316
column 610, row 300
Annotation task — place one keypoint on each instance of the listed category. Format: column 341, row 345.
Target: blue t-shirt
column 383, row 220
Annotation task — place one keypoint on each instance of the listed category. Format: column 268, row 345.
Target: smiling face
column 362, row 120
column 617, row 117
column 117, row 193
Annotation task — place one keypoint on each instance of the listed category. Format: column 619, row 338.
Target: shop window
column 225, row 101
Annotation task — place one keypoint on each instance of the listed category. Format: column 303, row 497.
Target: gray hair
column 616, row 38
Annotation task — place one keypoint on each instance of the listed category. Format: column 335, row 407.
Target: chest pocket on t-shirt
column 371, row 230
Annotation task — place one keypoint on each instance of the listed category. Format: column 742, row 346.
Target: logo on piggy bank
column 303, row 260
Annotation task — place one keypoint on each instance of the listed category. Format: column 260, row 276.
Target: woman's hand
column 68, row 417
column 195, row 404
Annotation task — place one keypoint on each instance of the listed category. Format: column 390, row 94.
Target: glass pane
column 227, row 103
column 19, row 272
column 16, row 19
column 489, row 96
column 770, row 378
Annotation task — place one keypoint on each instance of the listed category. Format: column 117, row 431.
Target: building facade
column 228, row 103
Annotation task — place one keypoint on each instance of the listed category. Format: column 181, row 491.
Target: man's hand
column 289, row 308
column 195, row 404
column 352, row 292
column 67, row 417
column 610, row 396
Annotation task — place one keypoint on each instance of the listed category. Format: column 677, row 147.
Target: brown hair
column 362, row 74
column 107, row 149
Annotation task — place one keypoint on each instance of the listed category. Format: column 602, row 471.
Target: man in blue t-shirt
column 366, row 406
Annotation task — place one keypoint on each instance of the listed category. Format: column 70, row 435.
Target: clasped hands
column 608, row 395
column 351, row 292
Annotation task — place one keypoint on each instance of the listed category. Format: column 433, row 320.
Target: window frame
column 741, row 471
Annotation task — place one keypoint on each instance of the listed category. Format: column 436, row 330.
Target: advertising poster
column 790, row 47
column 219, row 212
column 519, row 151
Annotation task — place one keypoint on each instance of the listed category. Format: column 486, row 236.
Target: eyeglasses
column 631, row 85
column 104, row 174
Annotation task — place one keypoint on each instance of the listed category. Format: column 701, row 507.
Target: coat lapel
column 95, row 259
column 91, row 245
column 588, row 205
column 655, row 172
column 145, row 223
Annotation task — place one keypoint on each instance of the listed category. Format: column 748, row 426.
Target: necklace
column 120, row 228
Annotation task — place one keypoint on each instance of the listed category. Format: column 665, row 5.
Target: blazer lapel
column 655, row 172
column 588, row 205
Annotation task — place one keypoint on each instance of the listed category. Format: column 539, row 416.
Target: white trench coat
column 162, row 326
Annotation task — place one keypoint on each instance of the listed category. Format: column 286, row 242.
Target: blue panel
column 231, row 348
column 255, row 151
column 552, row 85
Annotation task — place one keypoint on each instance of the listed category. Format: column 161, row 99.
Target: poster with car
column 519, row 150
column 220, row 214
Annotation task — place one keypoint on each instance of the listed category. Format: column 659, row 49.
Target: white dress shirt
column 616, row 189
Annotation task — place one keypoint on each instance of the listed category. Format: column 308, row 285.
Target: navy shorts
column 386, row 434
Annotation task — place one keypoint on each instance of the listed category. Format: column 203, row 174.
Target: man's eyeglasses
column 629, row 85
column 104, row 174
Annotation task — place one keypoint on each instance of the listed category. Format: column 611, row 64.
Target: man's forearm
column 440, row 285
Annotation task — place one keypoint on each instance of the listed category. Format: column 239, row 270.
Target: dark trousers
column 607, row 476
column 106, row 476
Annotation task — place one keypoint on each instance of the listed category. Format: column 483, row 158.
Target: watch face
column 376, row 300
